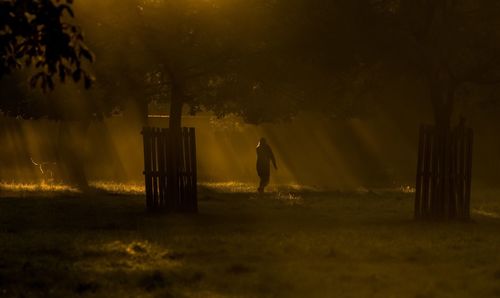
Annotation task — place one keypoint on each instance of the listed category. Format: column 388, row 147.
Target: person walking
column 264, row 158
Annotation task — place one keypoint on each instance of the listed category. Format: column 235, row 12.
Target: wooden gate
column 170, row 169
column 444, row 168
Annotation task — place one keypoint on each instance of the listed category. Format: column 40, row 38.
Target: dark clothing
column 264, row 157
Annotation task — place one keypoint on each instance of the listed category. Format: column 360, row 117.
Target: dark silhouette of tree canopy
column 340, row 47
column 38, row 34
column 450, row 45
column 214, row 58
column 222, row 58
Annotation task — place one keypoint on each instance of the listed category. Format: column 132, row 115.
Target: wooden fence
column 444, row 168
column 170, row 169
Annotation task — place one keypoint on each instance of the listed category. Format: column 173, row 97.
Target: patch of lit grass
column 245, row 187
column 229, row 187
column 125, row 256
column 41, row 187
column 407, row 189
column 46, row 187
column 485, row 213
column 290, row 198
column 118, row 188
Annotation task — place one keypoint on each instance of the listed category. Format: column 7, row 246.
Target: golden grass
column 127, row 256
column 485, row 213
column 245, row 187
column 407, row 189
column 282, row 192
column 290, row 198
column 45, row 187
column 41, row 187
column 231, row 186
column 119, row 188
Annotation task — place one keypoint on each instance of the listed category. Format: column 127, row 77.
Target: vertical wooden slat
column 146, row 133
column 169, row 193
column 158, row 164
column 175, row 135
column 461, row 173
column 178, row 144
column 166, row 157
column 165, row 167
column 180, row 165
column 444, row 202
column 187, row 172
column 193, row 170
column 184, row 190
column 170, row 173
column 440, row 176
column 161, row 167
column 435, row 174
column 189, row 185
column 426, row 172
column 468, row 182
column 180, row 170
column 420, row 172
column 154, row 167
column 452, row 208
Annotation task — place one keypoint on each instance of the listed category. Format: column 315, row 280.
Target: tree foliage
column 39, row 34
column 451, row 45
column 197, row 54
column 217, row 57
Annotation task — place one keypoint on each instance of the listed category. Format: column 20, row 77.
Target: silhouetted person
column 264, row 157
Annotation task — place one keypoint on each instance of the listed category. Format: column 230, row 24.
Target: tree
column 39, row 35
column 217, row 58
column 249, row 58
column 450, row 45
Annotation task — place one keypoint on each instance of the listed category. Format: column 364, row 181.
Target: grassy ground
column 284, row 244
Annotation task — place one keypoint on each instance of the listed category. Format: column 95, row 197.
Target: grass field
column 290, row 243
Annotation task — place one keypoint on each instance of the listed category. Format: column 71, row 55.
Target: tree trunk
column 144, row 112
column 443, row 99
column 176, row 104
column 71, row 146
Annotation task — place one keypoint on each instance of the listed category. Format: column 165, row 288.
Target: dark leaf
column 87, row 81
column 87, row 54
column 64, row 7
column 50, row 83
column 77, row 74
